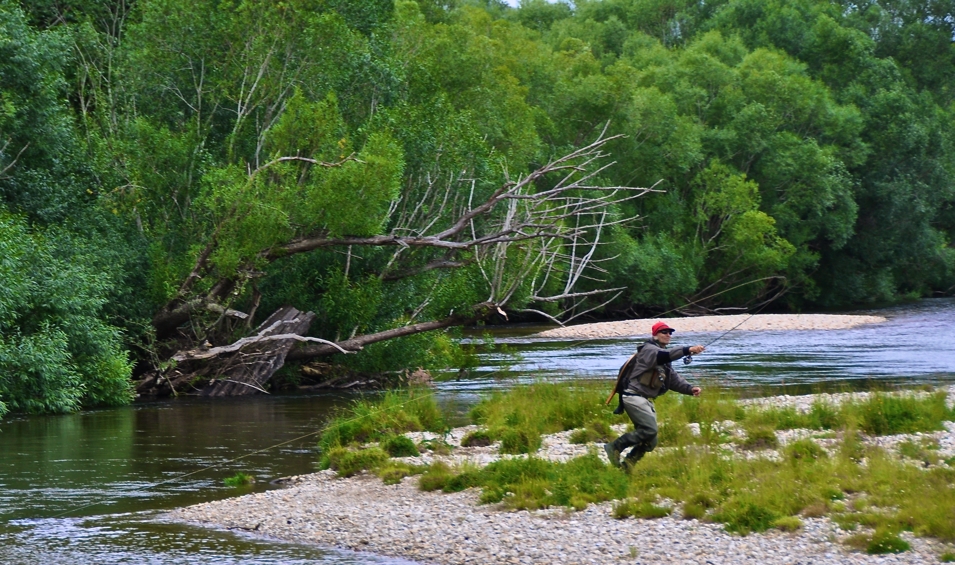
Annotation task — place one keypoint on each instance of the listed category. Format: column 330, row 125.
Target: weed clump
column 518, row 441
column 395, row 413
column 596, row 431
column 348, row 462
column 436, row 446
column 239, row 479
column 745, row 517
column 477, row 438
column 640, row 509
column 881, row 542
column 392, row 472
column 788, row 524
column 760, row 437
column 399, row 446
column 804, row 450
column 538, row 409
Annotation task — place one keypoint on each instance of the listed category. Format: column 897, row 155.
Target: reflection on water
column 88, row 488
column 915, row 346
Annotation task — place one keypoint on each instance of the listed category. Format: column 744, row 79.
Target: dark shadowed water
column 89, row 488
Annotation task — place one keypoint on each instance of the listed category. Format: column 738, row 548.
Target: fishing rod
column 689, row 358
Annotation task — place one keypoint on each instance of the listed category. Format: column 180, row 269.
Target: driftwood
column 241, row 368
column 249, row 367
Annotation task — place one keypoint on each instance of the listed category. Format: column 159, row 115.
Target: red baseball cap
column 660, row 326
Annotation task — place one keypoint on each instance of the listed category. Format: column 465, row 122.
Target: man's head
column 661, row 332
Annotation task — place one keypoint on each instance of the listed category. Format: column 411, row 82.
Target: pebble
column 361, row 513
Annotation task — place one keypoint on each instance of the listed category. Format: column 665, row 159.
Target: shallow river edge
column 363, row 514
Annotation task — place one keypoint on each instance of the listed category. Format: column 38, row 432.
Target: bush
column 399, row 446
column 744, row 517
column 885, row 541
column 56, row 352
column 477, row 438
column 517, row 441
column 347, row 462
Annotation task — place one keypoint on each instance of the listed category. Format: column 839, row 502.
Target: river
column 90, row 488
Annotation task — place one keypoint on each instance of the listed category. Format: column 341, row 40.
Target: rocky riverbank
column 741, row 322
column 363, row 514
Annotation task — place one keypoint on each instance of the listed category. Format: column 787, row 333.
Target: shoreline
column 740, row 322
column 363, row 514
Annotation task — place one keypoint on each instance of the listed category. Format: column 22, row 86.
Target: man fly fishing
column 645, row 376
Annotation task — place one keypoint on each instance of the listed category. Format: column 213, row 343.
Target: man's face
column 663, row 337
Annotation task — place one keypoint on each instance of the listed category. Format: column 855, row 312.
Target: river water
column 90, row 488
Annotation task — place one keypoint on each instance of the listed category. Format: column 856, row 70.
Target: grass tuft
column 348, row 462
column 477, row 438
column 760, row 437
column 596, row 431
column 640, row 509
column 394, row 413
column 399, row 446
column 239, row 479
column 788, row 523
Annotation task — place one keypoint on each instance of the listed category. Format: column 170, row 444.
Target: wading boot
column 631, row 460
column 612, row 454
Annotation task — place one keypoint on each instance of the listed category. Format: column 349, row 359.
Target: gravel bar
column 757, row 322
column 361, row 513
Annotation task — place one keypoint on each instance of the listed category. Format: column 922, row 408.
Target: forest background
column 173, row 171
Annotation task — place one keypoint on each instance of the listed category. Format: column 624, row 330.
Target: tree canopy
column 172, row 172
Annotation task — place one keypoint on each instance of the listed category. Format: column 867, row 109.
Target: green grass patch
column 879, row 414
column 399, row 446
column 393, row 472
column 347, row 462
column 538, row 409
column 394, row 413
column 595, row 431
column 239, row 479
column 788, row 523
column 947, row 557
column 531, row 483
column 477, row 438
column 631, row 508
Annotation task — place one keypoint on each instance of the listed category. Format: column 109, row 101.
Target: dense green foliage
column 166, row 151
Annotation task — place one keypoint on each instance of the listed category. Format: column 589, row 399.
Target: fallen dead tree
column 532, row 241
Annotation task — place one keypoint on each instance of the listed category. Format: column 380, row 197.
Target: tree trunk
column 238, row 369
column 247, row 370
